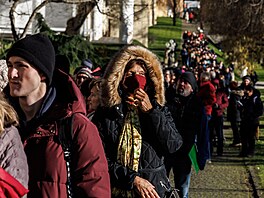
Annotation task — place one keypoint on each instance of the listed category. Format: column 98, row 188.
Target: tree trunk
column 126, row 21
column 32, row 16
column 174, row 12
column 75, row 23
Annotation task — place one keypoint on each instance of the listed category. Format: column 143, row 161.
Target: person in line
column 233, row 112
column 13, row 160
column 185, row 108
column 136, row 128
column 82, row 75
column 251, row 110
column 216, row 123
column 207, row 94
column 93, row 99
column 246, row 80
column 43, row 97
column 86, row 91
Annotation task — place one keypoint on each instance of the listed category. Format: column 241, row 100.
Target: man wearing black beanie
column 43, row 97
column 190, row 78
column 185, row 108
column 43, row 60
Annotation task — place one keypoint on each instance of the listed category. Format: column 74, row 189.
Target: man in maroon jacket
column 207, row 94
column 43, row 97
column 217, row 121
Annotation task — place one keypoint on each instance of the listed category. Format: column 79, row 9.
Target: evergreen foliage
column 76, row 48
column 240, row 24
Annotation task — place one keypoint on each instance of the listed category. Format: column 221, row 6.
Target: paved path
column 228, row 176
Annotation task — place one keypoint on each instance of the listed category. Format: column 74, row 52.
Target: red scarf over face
column 134, row 82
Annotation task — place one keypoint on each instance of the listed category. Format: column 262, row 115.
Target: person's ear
column 43, row 77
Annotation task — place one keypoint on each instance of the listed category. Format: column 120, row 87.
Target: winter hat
column 84, row 71
column 189, row 77
column 37, row 50
column 87, row 63
column 246, row 77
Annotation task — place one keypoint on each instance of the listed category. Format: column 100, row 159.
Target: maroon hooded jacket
column 207, row 94
column 47, row 167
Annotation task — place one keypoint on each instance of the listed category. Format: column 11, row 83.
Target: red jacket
column 47, row 168
column 221, row 102
column 10, row 187
column 207, row 94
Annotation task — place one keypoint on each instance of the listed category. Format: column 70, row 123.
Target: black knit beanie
column 38, row 50
column 189, row 77
column 246, row 77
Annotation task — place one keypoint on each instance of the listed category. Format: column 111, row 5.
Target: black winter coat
column 252, row 108
column 233, row 112
column 187, row 113
column 159, row 136
column 158, row 131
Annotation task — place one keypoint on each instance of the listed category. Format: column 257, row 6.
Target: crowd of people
column 120, row 132
column 222, row 98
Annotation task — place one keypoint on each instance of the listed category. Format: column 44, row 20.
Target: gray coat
column 12, row 155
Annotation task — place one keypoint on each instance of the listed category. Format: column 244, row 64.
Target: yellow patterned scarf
column 129, row 147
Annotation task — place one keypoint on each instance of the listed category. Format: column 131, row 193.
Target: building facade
column 110, row 21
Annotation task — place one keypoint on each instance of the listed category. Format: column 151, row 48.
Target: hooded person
column 136, row 128
column 43, row 97
column 186, row 107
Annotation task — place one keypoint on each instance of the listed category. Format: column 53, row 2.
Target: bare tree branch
column 12, row 19
column 32, row 16
column 74, row 24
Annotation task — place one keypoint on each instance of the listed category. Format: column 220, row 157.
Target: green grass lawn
column 260, row 144
column 161, row 33
column 260, row 72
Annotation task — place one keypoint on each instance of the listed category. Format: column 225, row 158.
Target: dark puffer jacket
column 47, row 167
column 158, row 131
column 252, row 108
column 233, row 112
column 186, row 110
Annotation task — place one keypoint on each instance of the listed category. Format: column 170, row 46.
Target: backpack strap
column 65, row 138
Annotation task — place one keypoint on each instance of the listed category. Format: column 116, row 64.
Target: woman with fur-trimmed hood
column 136, row 128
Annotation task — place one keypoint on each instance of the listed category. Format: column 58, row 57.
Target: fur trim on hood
column 115, row 71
